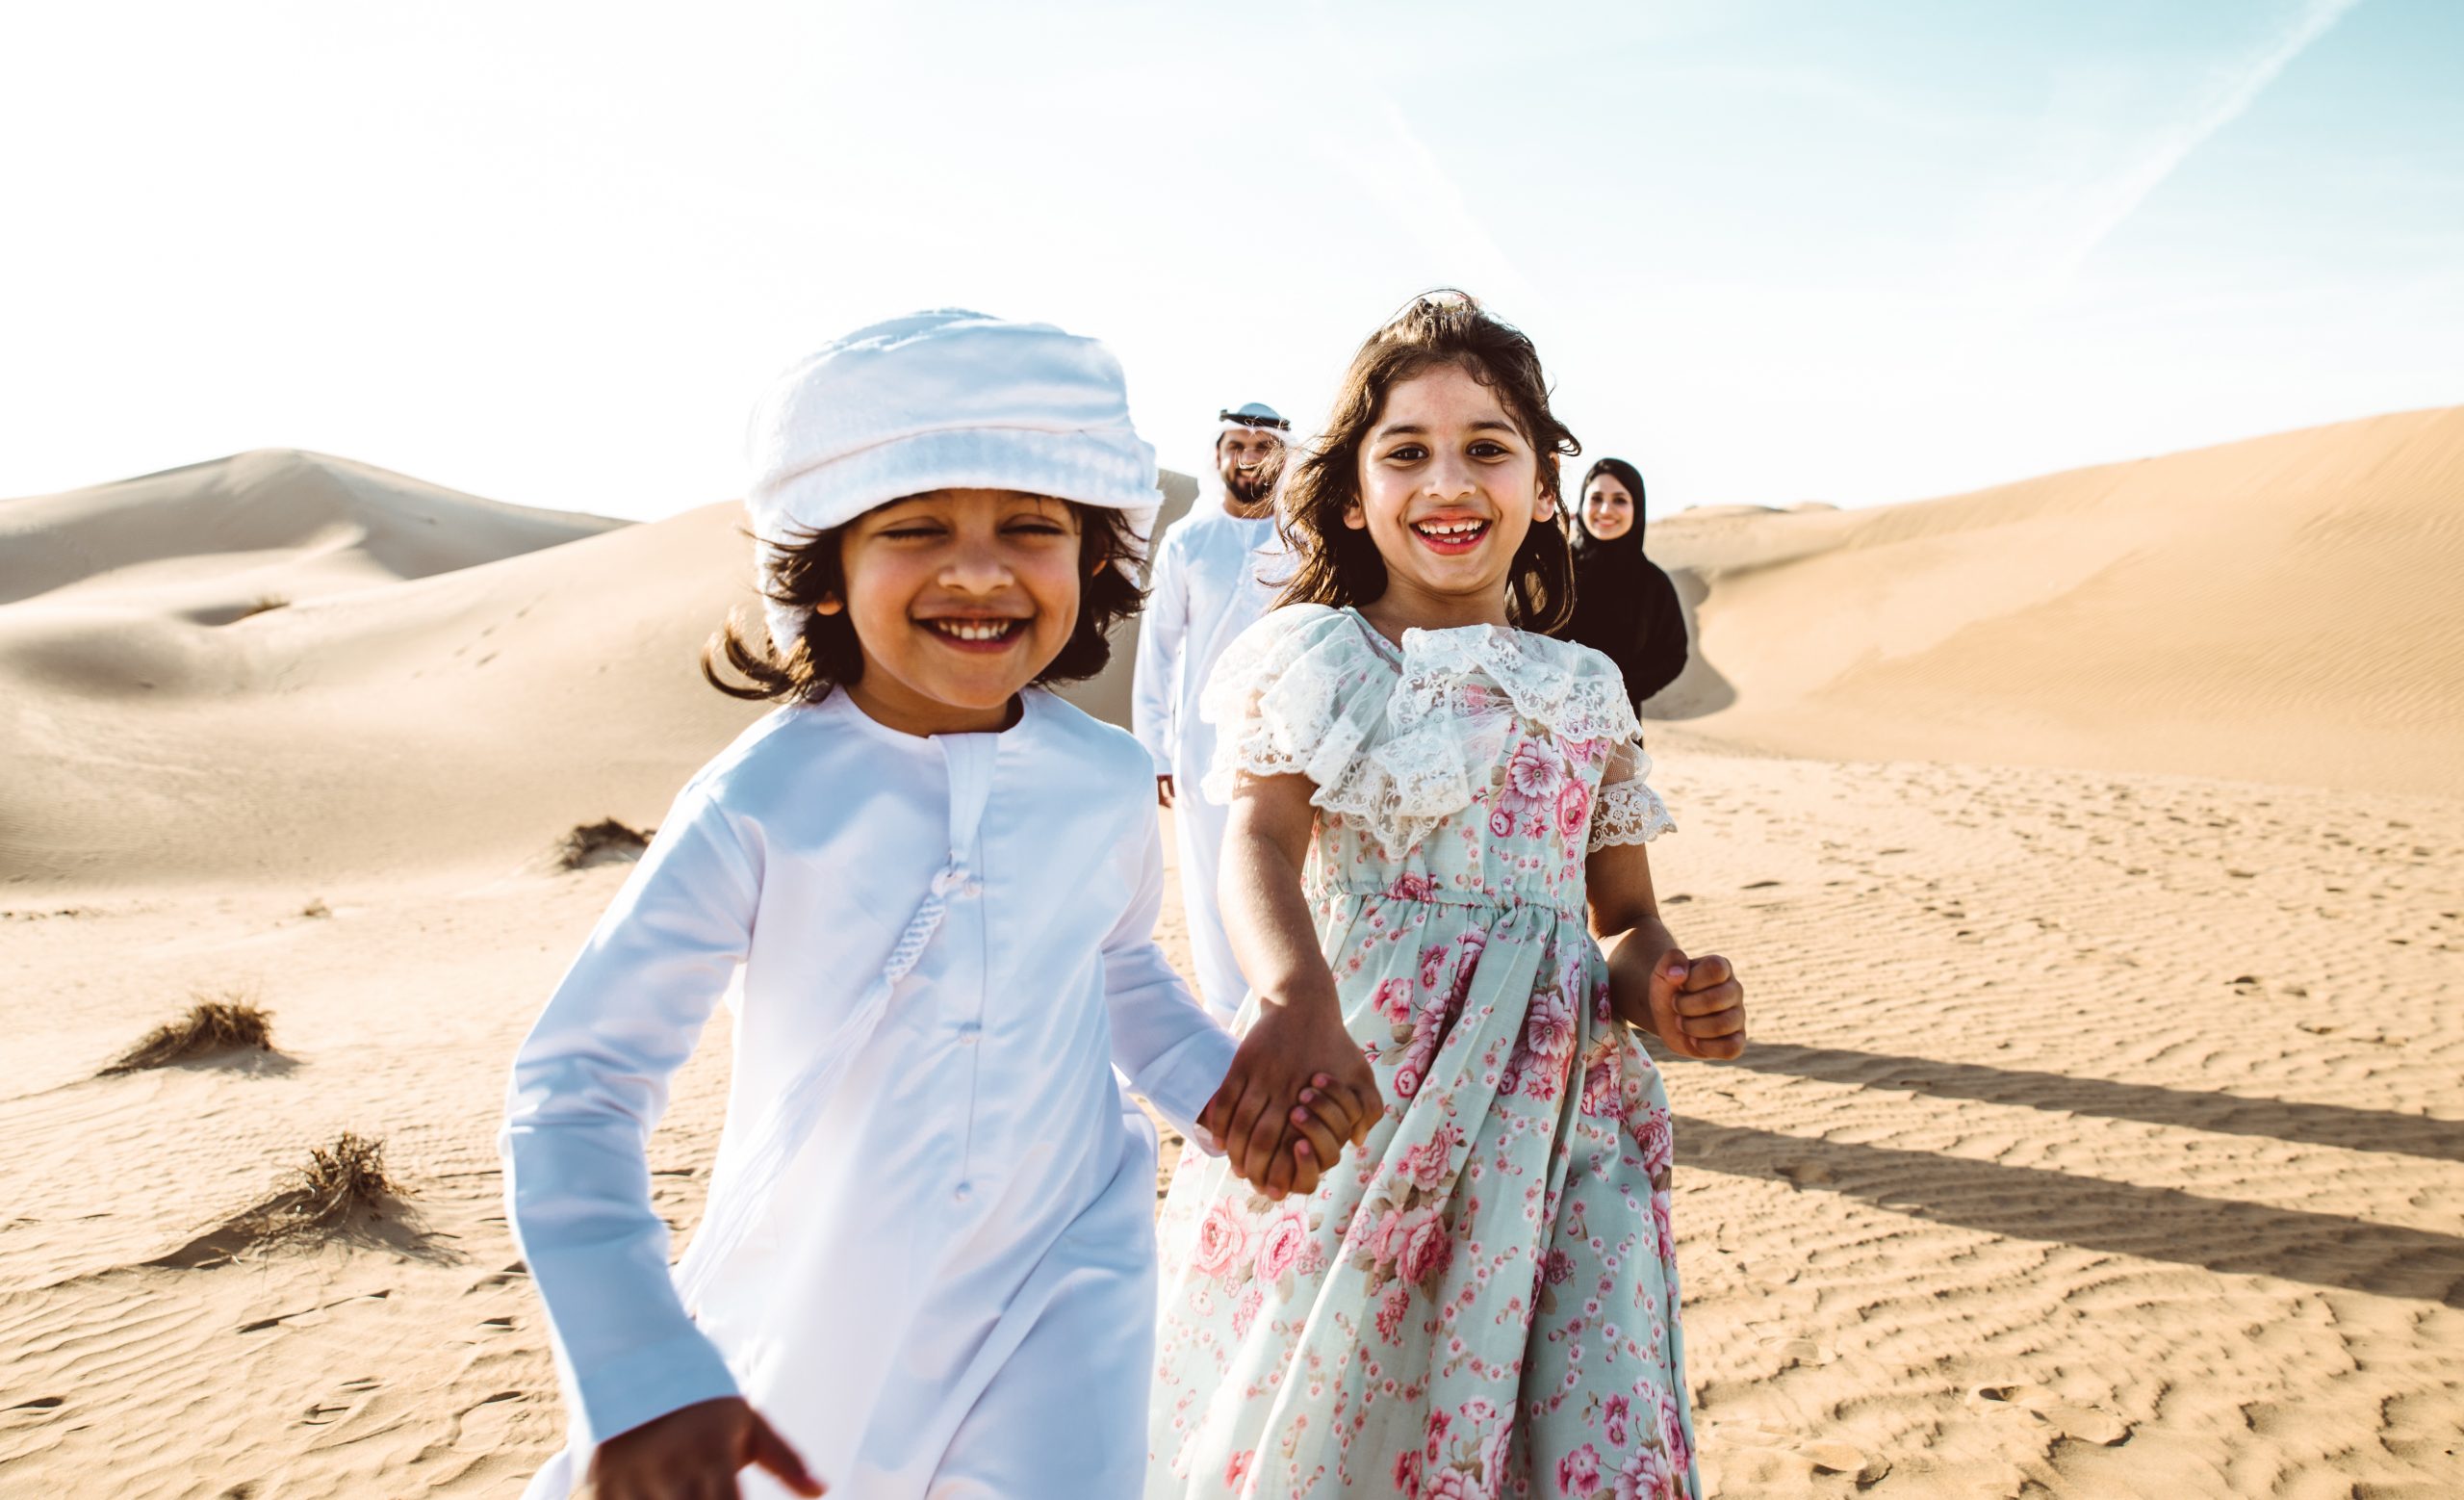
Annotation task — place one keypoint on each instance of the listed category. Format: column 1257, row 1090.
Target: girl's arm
column 1695, row 1006
column 1300, row 1037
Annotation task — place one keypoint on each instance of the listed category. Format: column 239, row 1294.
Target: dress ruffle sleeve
column 1628, row 809
column 1398, row 737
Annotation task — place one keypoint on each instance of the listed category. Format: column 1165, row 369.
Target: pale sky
column 1770, row 250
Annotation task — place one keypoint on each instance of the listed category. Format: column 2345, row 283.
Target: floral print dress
column 1483, row 1301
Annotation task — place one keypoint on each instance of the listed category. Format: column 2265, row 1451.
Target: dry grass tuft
column 594, row 843
column 341, row 1182
column 226, row 1025
column 343, row 1195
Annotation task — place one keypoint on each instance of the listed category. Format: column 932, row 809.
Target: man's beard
column 1251, row 488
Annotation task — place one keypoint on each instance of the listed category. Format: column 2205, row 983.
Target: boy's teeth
column 1451, row 528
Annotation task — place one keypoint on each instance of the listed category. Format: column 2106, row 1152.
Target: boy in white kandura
column 926, row 887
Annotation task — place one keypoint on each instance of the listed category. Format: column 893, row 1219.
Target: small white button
column 961, row 1193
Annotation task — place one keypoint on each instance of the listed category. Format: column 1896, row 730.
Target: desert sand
column 2092, row 848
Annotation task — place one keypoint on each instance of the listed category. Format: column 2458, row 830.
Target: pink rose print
column 1472, row 945
column 1430, row 1163
column 1392, row 1304
column 1613, row 1418
column 1579, row 1473
column 1657, row 1140
column 1246, row 1312
column 1411, row 886
column 1672, row 1431
column 1407, row 1082
column 1574, row 809
column 1454, row 1485
column 1600, row 1091
column 1645, row 1477
column 1548, row 1027
column 1393, row 998
column 1556, row 1268
column 1222, row 1237
column 1423, row 1248
column 1531, row 771
column 1280, row 1246
column 1238, row 1469
column 1438, row 1424
column 1500, row 821
column 1407, row 1472
column 1667, row 1231
column 1583, row 752
column 1433, row 966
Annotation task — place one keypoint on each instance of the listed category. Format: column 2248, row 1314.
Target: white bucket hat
column 943, row 399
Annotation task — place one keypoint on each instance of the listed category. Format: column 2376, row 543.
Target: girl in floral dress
column 1429, row 798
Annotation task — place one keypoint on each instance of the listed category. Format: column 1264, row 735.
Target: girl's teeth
column 970, row 631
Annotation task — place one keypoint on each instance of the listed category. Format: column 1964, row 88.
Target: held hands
column 1164, row 791
column 693, row 1453
column 1695, row 1006
column 1298, row 1089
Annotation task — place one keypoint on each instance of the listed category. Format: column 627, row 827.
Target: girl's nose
column 1450, row 477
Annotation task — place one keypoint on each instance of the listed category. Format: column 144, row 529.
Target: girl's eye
column 1409, row 453
column 1487, row 449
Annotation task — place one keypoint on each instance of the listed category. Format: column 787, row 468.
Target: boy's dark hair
column 1341, row 566
column 825, row 655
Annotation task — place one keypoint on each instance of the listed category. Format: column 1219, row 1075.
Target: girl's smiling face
column 1449, row 488
column 959, row 599
column 1608, row 509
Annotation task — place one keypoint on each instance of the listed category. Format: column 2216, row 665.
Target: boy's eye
column 910, row 532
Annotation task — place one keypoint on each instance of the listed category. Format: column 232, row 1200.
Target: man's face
column 1244, row 458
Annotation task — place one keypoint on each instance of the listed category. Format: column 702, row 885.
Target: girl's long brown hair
column 826, row 654
column 1340, row 565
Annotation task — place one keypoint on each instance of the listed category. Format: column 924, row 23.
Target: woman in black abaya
column 1624, row 607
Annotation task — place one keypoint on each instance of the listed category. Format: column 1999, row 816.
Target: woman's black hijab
column 1624, row 607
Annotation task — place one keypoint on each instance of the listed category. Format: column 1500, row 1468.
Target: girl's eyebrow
column 1415, row 430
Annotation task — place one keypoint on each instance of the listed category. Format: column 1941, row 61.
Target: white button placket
column 971, row 758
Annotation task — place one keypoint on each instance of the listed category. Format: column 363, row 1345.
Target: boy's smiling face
column 959, row 599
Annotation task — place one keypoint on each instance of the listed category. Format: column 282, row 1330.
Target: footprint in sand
column 2079, row 1423
column 1846, row 1458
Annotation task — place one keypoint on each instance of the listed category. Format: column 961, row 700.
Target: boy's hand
column 693, row 1453
column 1697, row 1005
column 1164, row 791
column 1271, row 1135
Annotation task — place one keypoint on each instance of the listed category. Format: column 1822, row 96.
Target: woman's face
column 1608, row 510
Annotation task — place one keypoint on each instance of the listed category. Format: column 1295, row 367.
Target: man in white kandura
column 1205, row 587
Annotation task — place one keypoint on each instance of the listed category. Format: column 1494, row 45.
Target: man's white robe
column 948, row 1286
column 1213, row 577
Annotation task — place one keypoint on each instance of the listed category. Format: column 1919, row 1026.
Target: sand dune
column 2103, row 1135
column 404, row 711
column 2286, row 608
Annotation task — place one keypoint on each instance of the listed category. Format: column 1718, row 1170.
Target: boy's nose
column 976, row 569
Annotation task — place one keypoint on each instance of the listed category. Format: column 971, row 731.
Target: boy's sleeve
column 1164, row 1041
column 1162, row 627
column 589, row 1085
